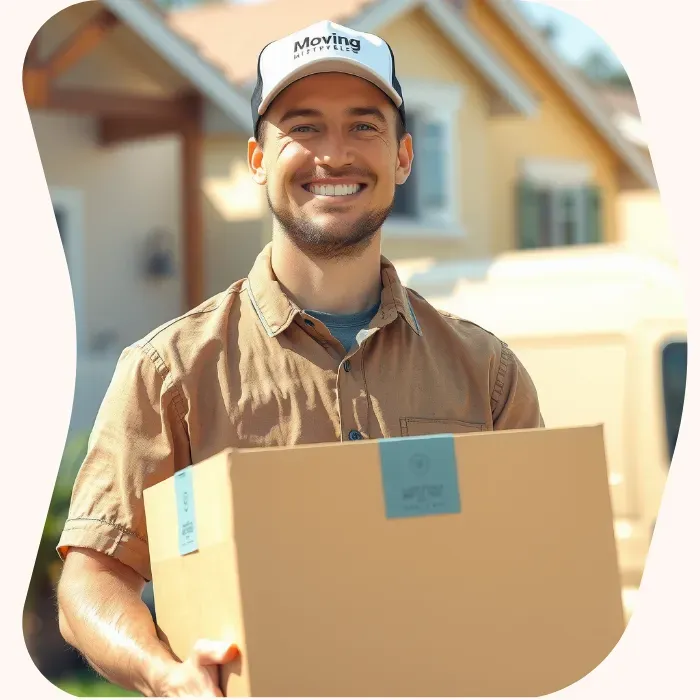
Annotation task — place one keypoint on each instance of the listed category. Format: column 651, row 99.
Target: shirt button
column 346, row 365
column 355, row 435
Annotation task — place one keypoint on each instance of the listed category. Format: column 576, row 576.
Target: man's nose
column 334, row 152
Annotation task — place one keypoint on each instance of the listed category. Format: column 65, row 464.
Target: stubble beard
column 321, row 243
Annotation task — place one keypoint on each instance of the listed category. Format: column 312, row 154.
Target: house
column 452, row 82
column 513, row 149
column 120, row 107
column 142, row 120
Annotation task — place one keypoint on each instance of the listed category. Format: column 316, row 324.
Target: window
column 674, row 364
column 427, row 200
column 68, row 208
column 406, row 199
column 60, row 215
column 557, row 205
column 424, row 196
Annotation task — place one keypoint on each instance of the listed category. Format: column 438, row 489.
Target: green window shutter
column 593, row 216
column 527, row 215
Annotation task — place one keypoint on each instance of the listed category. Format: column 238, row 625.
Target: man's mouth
column 324, row 190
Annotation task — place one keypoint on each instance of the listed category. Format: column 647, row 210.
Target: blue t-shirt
column 345, row 327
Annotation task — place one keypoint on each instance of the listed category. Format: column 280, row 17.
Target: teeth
column 334, row 190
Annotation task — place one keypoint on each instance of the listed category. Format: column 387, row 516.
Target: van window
column 674, row 367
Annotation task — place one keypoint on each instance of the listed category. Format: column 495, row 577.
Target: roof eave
column 151, row 27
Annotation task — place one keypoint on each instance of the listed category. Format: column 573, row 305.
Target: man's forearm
column 106, row 620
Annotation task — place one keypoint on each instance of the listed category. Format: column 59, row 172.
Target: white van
column 602, row 331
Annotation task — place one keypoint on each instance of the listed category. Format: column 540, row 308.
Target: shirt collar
column 276, row 311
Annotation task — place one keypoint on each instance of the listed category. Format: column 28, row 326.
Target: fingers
column 207, row 652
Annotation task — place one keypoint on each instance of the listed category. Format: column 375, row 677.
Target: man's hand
column 102, row 615
column 198, row 676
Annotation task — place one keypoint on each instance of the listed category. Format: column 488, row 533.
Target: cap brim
column 337, row 64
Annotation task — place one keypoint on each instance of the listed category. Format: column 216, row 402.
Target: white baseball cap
column 324, row 47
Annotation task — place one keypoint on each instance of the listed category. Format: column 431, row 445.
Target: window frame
column 438, row 102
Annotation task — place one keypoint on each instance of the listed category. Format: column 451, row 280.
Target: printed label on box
column 419, row 476
column 186, row 520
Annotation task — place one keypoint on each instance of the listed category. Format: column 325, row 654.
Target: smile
column 334, row 190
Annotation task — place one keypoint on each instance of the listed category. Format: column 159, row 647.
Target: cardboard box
column 473, row 565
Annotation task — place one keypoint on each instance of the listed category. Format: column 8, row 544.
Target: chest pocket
column 413, row 427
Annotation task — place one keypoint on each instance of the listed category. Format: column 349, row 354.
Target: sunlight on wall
column 236, row 197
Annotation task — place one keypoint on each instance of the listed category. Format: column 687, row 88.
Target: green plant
column 47, row 564
column 87, row 685
column 44, row 642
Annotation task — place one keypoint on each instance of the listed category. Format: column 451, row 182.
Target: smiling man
column 320, row 343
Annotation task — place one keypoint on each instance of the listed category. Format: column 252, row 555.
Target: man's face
column 330, row 159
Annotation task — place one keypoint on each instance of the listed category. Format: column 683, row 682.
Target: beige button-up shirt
column 248, row 368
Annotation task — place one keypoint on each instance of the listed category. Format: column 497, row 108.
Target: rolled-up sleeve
column 514, row 400
column 139, row 438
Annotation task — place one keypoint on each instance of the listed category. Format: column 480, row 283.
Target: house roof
column 618, row 100
column 231, row 35
column 580, row 93
column 206, row 45
column 150, row 24
column 621, row 105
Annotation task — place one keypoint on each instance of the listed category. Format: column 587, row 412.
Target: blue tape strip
column 419, row 476
column 186, row 519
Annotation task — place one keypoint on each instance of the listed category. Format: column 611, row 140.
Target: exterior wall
column 126, row 192
column 234, row 211
column 643, row 224
column 559, row 131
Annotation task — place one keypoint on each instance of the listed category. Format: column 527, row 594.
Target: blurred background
column 532, row 210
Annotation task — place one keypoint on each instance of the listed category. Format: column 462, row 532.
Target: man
column 320, row 343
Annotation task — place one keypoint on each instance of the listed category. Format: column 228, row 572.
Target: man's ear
column 404, row 159
column 255, row 162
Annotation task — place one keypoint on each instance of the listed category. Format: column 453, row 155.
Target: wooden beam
column 114, row 104
column 101, row 103
column 82, row 42
column 115, row 130
column 36, row 88
column 192, row 210
column 31, row 60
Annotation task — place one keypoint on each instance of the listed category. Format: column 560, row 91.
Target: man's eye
column 366, row 127
column 301, row 129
